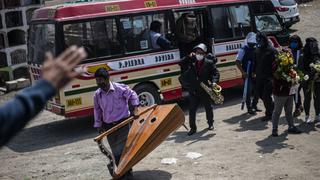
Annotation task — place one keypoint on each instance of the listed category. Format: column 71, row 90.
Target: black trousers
column 308, row 94
column 263, row 90
column 117, row 141
column 194, row 100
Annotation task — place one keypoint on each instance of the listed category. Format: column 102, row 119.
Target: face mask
column 101, row 85
column 251, row 45
column 199, row 57
column 314, row 49
column 293, row 45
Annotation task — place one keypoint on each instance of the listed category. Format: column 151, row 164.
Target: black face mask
column 314, row 49
column 103, row 86
column 251, row 45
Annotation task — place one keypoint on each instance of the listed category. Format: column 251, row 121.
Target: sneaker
column 275, row 133
column 308, row 119
column 210, row 128
column 191, row 132
column 297, row 113
column 294, row 130
column 266, row 118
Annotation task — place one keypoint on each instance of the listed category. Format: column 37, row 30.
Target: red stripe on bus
column 231, row 83
column 172, row 94
column 80, row 113
column 227, row 54
column 75, row 85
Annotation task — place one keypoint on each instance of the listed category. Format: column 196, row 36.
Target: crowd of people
column 276, row 93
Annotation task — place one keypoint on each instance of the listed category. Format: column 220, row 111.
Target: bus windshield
column 41, row 40
column 268, row 23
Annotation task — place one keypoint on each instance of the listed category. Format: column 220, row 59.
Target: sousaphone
column 153, row 126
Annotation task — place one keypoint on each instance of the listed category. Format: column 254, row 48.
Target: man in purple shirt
column 111, row 107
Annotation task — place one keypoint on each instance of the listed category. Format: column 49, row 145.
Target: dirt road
column 239, row 148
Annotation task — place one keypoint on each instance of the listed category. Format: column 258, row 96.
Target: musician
column 244, row 56
column 111, row 107
column 199, row 67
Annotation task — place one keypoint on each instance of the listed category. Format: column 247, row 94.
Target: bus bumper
column 55, row 108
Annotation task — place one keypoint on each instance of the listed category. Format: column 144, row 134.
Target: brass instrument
column 214, row 92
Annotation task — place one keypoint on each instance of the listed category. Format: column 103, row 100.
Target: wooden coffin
column 147, row 132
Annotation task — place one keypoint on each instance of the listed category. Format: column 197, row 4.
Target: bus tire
column 148, row 95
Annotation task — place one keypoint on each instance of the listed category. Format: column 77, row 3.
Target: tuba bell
column 214, row 92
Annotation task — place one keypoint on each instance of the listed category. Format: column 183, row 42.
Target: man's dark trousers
column 194, row 100
column 263, row 89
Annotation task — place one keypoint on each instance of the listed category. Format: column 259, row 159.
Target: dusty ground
column 239, row 148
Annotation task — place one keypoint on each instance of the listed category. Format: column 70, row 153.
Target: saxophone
column 214, row 92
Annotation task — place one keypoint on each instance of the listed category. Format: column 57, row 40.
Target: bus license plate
column 74, row 102
column 166, row 82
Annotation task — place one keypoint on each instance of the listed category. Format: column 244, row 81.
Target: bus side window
column 98, row 37
column 241, row 20
column 135, row 31
column 232, row 22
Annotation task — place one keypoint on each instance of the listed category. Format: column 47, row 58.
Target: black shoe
column 275, row 133
column 256, row 109
column 191, row 132
column 251, row 111
column 296, row 113
column 294, row 130
column 210, row 128
column 266, row 118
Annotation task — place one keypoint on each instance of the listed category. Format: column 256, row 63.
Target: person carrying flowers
column 285, row 84
column 310, row 66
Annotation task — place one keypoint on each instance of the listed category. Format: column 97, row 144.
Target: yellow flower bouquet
column 286, row 69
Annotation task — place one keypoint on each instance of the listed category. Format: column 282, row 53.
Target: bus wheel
column 148, row 95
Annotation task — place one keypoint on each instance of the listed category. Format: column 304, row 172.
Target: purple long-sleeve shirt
column 112, row 106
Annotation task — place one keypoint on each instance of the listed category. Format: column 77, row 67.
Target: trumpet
column 214, row 92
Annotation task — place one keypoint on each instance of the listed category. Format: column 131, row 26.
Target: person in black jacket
column 311, row 88
column 265, row 55
column 196, row 68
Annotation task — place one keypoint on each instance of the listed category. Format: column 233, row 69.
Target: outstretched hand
column 60, row 70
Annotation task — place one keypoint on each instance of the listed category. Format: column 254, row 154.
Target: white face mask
column 199, row 57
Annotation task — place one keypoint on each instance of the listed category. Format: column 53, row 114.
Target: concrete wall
column 15, row 15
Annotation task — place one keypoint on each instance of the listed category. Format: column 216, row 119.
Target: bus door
column 191, row 28
column 230, row 25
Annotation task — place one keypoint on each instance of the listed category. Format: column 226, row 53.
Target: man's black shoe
column 251, row 111
column 191, row 132
column 275, row 133
column 294, row 130
column 266, row 118
column 256, row 109
column 210, row 128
